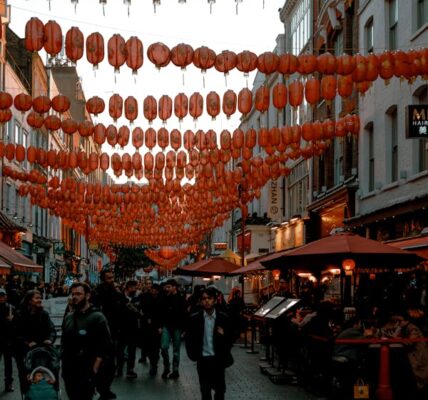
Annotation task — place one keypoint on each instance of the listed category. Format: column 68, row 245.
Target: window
column 17, row 133
column 297, row 189
column 393, row 144
column 369, row 36
column 339, row 145
column 393, row 22
column 25, row 144
column 370, row 136
column 300, row 26
column 421, row 13
column 338, row 44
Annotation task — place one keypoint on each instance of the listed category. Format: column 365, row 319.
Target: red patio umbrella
column 208, row 267
column 333, row 250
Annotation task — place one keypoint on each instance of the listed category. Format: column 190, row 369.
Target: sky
column 255, row 27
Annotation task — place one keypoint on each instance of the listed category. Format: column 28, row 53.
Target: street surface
column 243, row 380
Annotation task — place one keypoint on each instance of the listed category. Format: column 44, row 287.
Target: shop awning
column 4, row 268
column 417, row 245
column 17, row 260
column 7, row 225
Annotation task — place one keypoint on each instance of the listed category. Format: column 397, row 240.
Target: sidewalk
column 243, row 380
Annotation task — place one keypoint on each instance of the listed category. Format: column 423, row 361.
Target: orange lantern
column 348, row 264
column 312, row 91
column 69, row 126
column 150, row 108
column 295, row 93
column 150, row 138
column 326, row 63
column 181, row 106
column 111, row 133
column 246, row 61
column 279, row 94
column 42, row 104
column 386, row 66
column 123, row 136
column 345, row 85
column 22, row 102
column 99, row 134
column 189, row 138
column 307, row 64
column 196, row 105
column 6, row 100
column 35, row 120
column 287, row 64
column 359, row 73
column 245, row 101
column 34, row 35
column 95, row 105
column 213, row 104
column 116, row 51
column 204, row 58
column 372, row 67
column 52, row 38
column 95, row 49
column 115, row 106
column 229, row 103
column 74, row 43
column 159, row 54
column 175, row 139
column 134, row 54
column 267, row 63
column 165, row 108
column 137, row 137
column 52, row 123
column 86, row 128
column 225, row 61
column 163, row 138
column 345, row 64
column 131, row 109
column 328, row 87
column 182, row 55
column 262, row 99
column 61, row 103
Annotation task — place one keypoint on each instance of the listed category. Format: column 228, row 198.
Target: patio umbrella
column 252, row 267
column 333, row 250
column 208, row 267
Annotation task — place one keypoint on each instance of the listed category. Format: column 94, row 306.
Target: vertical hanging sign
column 274, row 209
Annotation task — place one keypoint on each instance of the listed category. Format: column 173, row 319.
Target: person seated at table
column 400, row 326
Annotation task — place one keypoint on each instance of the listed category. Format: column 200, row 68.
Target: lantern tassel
column 104, row 11
column 182, row 75
column 49, row 1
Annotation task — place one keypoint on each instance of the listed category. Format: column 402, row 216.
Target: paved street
column 244, row 381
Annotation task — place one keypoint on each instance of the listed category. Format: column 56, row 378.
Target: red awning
column 17, row 260
column 4, row 268
column 417, row 245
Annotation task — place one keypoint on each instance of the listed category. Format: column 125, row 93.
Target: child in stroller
column 42, row 365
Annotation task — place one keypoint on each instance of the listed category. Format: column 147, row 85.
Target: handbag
column 361, row 390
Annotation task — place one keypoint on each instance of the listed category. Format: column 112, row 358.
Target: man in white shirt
column 208, row 342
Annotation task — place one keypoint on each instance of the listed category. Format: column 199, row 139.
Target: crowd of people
column 105, row 326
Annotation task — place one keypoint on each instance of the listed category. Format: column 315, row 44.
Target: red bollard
column 384, row 390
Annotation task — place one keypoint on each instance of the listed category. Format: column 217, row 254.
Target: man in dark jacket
column 129, row 330
column 109, row 301
column 7, row 312
column 173, row 315
column 85, row 344
column 208, row 342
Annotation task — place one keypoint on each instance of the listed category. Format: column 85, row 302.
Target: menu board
column 269, row 306
column 285, row 306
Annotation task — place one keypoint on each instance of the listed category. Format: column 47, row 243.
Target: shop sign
column 274, row 209
column 417, row 121
column 220, row 246
column 58, row 248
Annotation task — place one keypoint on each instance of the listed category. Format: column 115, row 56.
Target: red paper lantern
column 137, row 137
column 159, row 54
column 229, row 103
column 287, row 64
column 246, row 62
column 182, row 55
column 111, row 133
column 225, row 61
column 295, row 93
column 262, row 99
column 181, row 106
column 22, row 102
column 35, row 120
column 116, row 51
column 307, row 64
column 99, row 134
column 6, row 100
column 150, row 108
column 95, row 49
column 74, row 44
column 41, row 104
column 69, row 126
column 61, row 103
column 279, row 94
column 95, row 105
column 131, row 108
column 53, row 38
column 52, row 123
column 204, row 58
column 267, row 63
column 328, row 87
column 115, row 107
column 175, row 139
column 245, row 101
column 123, row 136
column 34, row 35
column 327, row 63
column 196, row 105
column 165, row 108
column 213, row 104
column 134, row 54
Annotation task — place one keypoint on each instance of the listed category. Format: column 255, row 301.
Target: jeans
column 166, row 337
column 7, row 356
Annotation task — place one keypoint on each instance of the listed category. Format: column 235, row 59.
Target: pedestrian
column 129, row 330
column 86, row 344
column 33, row 327
column 173, row 315
column 151, row 311
column 209, row 340
column 108, row 300
column 7, row 312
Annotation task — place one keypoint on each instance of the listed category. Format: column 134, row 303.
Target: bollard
column 253, row 337
column 384, row 390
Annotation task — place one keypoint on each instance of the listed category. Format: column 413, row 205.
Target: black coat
column 222, row 342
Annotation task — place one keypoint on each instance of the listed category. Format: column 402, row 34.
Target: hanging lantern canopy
column 74, row 44
column 52, row 38
column 116, row 52
column 34, row 35
column 134, row 54
column 95, row 49
column 150, row 108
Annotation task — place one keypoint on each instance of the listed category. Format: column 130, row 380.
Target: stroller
column 42, row 365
